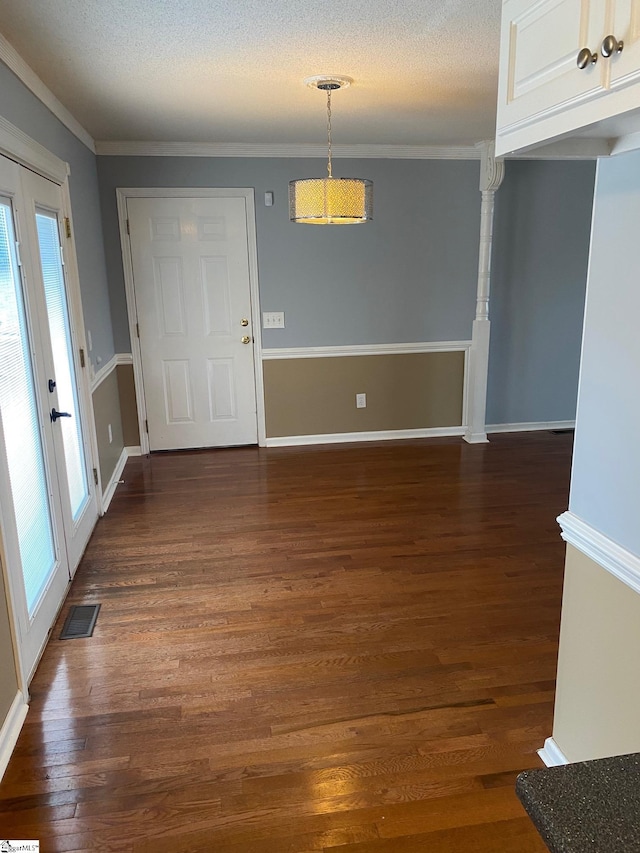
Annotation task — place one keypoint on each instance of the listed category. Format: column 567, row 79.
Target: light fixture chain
column 329, row 130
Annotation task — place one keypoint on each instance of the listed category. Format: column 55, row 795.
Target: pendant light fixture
column 330, row 201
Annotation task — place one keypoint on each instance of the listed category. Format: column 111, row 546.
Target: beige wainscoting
column 106, row 410
column 128, row 407
column 8, row 676
column 598, row 689
column 405, row 391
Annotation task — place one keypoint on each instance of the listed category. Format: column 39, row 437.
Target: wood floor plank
column 305, row 649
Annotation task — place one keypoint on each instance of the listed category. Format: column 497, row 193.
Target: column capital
column 491, row 167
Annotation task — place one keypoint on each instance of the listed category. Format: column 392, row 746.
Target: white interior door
column 47, row 501
column 190, row 262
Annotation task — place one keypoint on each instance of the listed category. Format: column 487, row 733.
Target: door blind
column 20, row 424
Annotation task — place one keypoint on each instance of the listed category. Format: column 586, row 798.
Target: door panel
column 32, row 520
column 43, row 225
column 624, row 66
column 192, row 289
column 539, row 46
column 64, row 368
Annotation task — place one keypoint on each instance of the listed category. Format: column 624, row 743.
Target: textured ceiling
column 232, row 71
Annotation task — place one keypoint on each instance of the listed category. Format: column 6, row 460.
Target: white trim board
column 615, row 559
column 530, row 427
column 569, row 149
column 374, row 435
column 364, row 349
column 12, row 59
column 100, row 375
column 127, row 453
column 112, row 485
column 288, row 150
column 552, row 755
column 11, row 729
column 20, row 148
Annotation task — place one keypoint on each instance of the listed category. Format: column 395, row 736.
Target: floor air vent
column 80, row 622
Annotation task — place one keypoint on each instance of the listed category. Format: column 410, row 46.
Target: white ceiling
column 232, row 71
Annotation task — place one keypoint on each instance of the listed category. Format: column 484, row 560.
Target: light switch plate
column 273, row 319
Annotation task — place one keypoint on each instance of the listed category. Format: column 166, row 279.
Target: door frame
column 247, row 193
column 17, row 146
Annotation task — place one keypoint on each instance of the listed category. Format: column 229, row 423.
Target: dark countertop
column 589, row 807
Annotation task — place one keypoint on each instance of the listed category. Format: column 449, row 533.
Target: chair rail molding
column 491, row 176
column 610, row 556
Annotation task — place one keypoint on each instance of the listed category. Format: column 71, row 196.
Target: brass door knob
column 246, row 339
column 611, row 45
column 244, row 322
column 586, row 58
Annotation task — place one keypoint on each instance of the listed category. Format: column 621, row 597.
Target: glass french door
column 48, row 505
column 44, row 226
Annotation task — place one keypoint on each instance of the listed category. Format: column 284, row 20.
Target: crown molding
column 240, row 149
column 570, row 149
column 12, row 59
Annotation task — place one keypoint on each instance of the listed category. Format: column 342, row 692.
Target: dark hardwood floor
column 349, row 648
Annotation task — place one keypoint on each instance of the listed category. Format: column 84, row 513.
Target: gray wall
column 540, row 254
column 410, row 275
column 606, row 459
column 23, row 109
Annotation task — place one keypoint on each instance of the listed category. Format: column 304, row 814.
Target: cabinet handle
column 611, row 45
column 586, row 58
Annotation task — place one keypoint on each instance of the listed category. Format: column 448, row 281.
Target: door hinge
column 128, row 229
column 146, row 426
column 67, row 227
column 138, row 329
column 95, row 476
column 81, row 357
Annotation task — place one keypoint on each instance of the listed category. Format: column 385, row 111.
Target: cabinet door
column 624, row 67
column 540, row 42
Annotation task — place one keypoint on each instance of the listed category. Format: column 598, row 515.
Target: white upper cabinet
column 568, row 67
column 624, row 66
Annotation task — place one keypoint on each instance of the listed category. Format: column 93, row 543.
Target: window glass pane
column 56, row 296
column 20, row 424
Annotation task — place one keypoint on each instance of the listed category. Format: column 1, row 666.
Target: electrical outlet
column 273, row 319
column 110, row 433
column 361, row 401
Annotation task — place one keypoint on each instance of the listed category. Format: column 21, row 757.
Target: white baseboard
column 476, row 438
column 531, row 427
column 382, row 435
column 552, row 755
column 10, row 730
column 113, row 482
column 134, row 451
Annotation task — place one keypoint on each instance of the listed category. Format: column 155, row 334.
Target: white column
column 491, row 175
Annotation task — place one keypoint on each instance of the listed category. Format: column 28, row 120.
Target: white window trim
column 20, row 148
